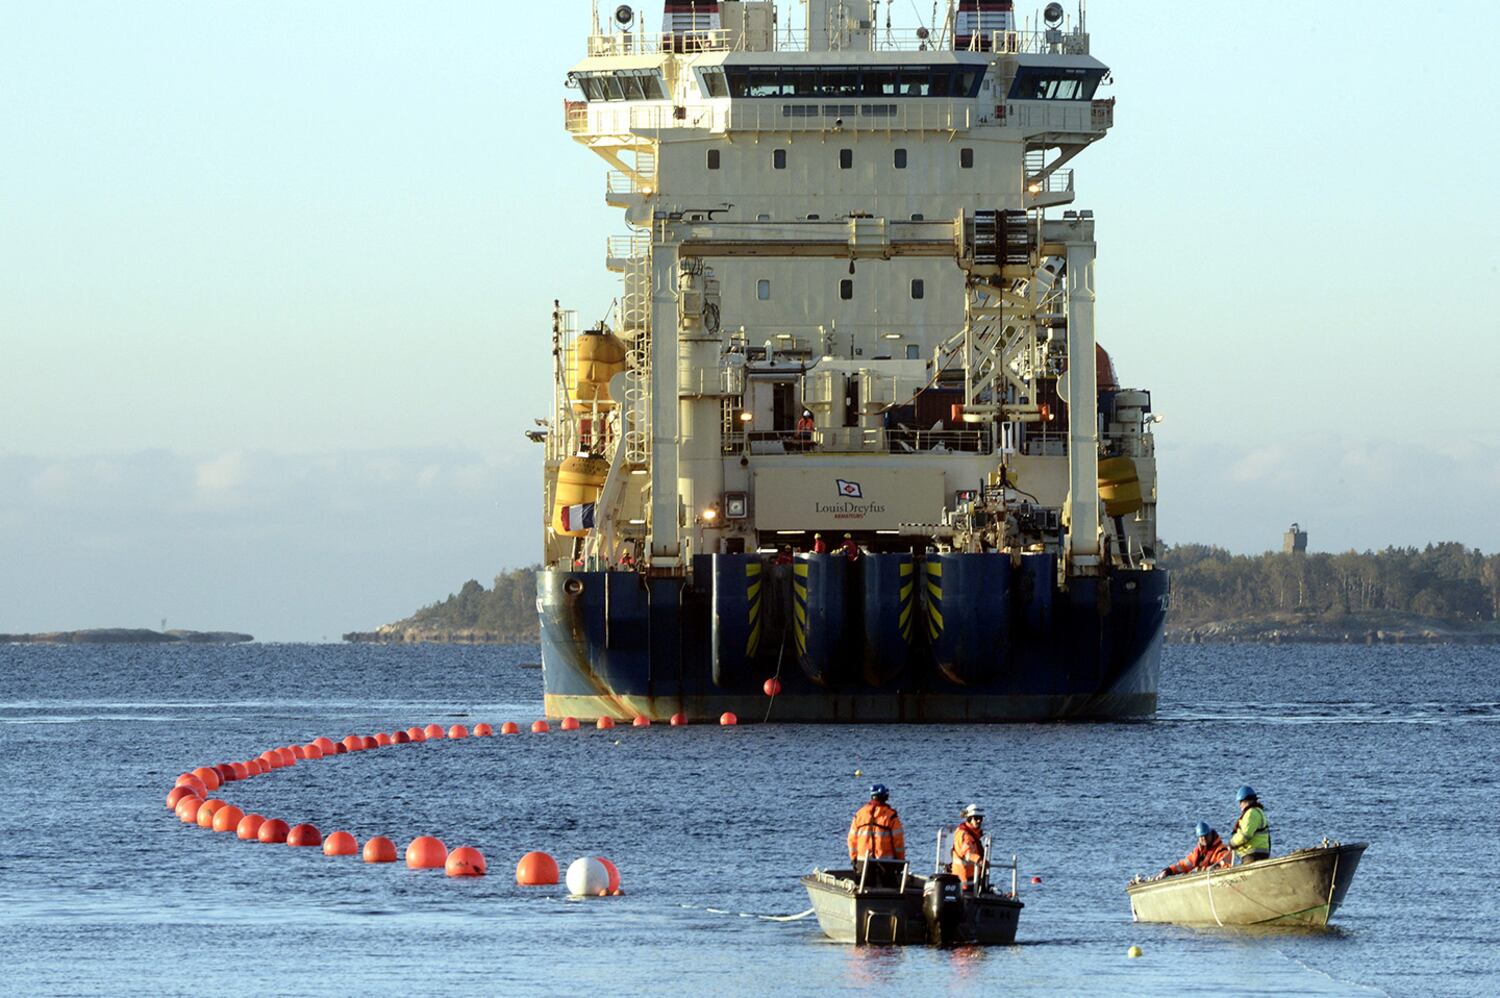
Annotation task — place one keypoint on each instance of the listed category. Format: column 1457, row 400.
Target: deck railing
column 618, row 43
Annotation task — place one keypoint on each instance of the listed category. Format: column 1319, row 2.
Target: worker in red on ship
column 1209, row 854
column 875, row 832
column 805, row 427
column 849, row 549
column 968, row 846
column 784, row 555
column 820, row 546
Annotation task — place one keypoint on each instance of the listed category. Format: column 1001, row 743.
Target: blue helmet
column 1203, row 829
column 878, row 790
column 1247, row 792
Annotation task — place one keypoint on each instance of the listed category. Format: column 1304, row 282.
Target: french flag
column 579, row 517
column 978, row 19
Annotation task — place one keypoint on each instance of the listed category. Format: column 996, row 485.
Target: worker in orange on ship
column 875, row 832
column 968, row 846
column 820, row 546
column 849, row 549
column 1209, row 854
column 805, row 427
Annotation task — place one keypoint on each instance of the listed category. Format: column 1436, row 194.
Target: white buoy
column 587, row 877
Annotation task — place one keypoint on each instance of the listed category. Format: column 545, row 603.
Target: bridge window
column 778, row 159
column 966, row 159
column 714, row 83
column 848, row 81
column 1055, row 83
column 763, row 290
column 900, row 159
column 918, row 289
column 630, row 84
column 846, row 289
column 713, row 159
column 846, row 158
column 913, row 351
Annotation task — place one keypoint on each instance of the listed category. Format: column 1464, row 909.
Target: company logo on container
column 849, row 490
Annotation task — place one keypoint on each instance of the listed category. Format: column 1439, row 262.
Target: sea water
column 103, row 891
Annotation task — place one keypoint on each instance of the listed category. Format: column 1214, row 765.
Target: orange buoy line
column 189, row 799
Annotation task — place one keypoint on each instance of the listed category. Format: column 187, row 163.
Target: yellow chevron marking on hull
column 934, row 568
column 934, row 590
column 907, row 568
column 752, row 569
column 800, row 570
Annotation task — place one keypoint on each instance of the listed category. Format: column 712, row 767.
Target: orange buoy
column 425, row 853
column 340, row 748
column 536, row 869
column 382, row 739
column 1036, row 880
column 176, row 794
column 569, row 724
column 401, row 738
column 311, row 751
column 370, row 743
column 225, row 771
column 416, row 734
column 288, row 755
column 641, row 721
column 208, row 809
column 324, row 742
column 270, row 759
column 193, row 783
column 187, row 809
column 304, row 835
column 614, row 874
column 772, row 686
column 510, row 728
column 272, row 831
column 255, row 766
column 433, row 731
column 227, row 818
column 380, row 850
column 298, row 751
column 241, row 771
column 340, row 844
column 483, row 730
column 679, row 719
column 353, row 743
column 465, row 861
column 209, row 777
column 249, row 826
column 727, row 719
column 458, row 731
column 540, row 727
column 604, row 723
column 616, row 892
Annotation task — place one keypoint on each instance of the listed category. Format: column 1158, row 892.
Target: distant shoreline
column 127, row 636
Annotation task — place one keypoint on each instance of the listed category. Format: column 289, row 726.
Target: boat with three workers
column 846, row 435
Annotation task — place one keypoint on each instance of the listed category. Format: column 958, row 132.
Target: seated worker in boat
column 875, row 832
column 1251, row 837
column 1210, row 853
column 968, row 846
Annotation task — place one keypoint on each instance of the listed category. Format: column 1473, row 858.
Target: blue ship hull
column 885, row 638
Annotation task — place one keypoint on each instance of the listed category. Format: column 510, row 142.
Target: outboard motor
column 943, row 907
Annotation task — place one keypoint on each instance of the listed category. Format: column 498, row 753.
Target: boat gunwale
column 1299, row 856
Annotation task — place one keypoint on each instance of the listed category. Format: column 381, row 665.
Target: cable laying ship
column 846, row 312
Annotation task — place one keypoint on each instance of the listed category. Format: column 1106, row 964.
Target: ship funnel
column 690, row 17
column 979, row 21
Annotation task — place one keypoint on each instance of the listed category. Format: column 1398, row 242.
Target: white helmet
column 973, row 811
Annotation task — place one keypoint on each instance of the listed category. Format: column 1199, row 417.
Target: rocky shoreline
column 127, row 636
column 396, row 634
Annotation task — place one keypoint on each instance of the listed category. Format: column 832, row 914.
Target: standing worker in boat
column 875, row 832
column 1209, row 854
column 1251, row 837
column 968, row 847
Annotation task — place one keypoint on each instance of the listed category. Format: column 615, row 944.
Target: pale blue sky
column 275, row 282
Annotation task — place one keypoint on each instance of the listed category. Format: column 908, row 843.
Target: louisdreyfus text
column 848, row 509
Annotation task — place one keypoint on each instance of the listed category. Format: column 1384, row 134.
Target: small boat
column 1303, row 888
column 884, row 903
